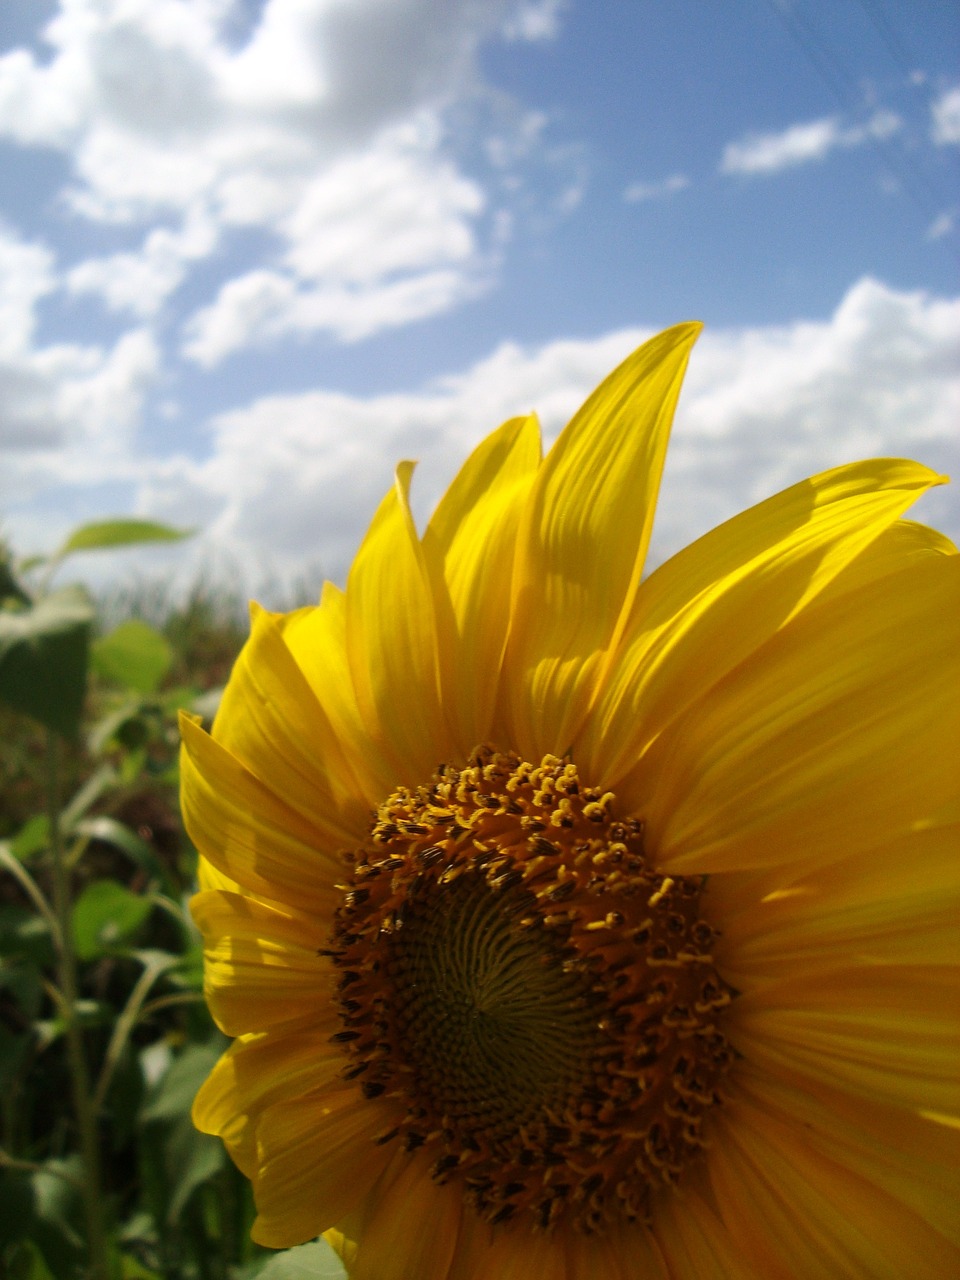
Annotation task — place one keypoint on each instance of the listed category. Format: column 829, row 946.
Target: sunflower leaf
column 119, row 533
column 43, row 659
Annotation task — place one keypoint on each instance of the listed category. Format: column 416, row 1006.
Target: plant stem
column 99, row 1263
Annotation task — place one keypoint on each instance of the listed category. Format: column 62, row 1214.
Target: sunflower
column 586, row 926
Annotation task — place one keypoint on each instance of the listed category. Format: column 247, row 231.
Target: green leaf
column 315, row 1261
column 25, row 936
column 33, row 837
column 110, row 831
column 133, row 655
column 10, row 588
column 173, row 1096
column 104, row 916
column 132, row 1269
column 119, row 533
column 58, row 1208
column 43, row 659
column 25, row 1262
column 195, row 1158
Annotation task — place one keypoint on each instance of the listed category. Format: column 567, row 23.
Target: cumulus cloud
column 293, row 479
column 378, row 239
column 638, row 192
column 945, row 111
column 767, row 153
column 141, row 282
column 326, row 127
column 67, row 410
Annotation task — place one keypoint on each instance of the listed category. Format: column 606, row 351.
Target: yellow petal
column 913, row 1160
column 317, row 1160
column 621, row 1252
column 270, row 720
column 714, row 603
column 412, row 1225
column 392, row 641
column 261, row 966
column 898, row 903
column 800, row 754
column 583, row 538
column 890, row 1033
column 469, row 545
column 905, row 542
column 249, row 834
column 317, row 639
column 255, row 1072
column 793, row 1213
column 208, row 877
column 519, row 1255
column 693, row 1243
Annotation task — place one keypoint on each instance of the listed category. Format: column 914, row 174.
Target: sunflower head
column 532, row 887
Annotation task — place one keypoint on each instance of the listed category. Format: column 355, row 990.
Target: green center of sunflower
column 542, row 1004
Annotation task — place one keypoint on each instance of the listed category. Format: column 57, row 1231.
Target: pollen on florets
column 541, row 1004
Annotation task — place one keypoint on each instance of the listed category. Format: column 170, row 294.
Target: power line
column 842, row 85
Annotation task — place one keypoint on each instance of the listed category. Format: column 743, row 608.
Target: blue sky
column 252, row 253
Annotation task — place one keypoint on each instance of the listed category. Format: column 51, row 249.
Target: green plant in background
column 103, row 1034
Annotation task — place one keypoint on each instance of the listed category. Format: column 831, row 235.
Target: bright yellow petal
column 392, row 641
column 255, row 1072
column 412, row 1224
column 583, row 538
column 800, row 754
column 317, row 1160
column 714, row 603
column 250, row 835
column 899, row 903
column 261, row 964
column 270, row 720
column 317, row 639
column 208, row 877
column 905, row 542
column 890, row 1033
column 469, row 544
column 793, row 1213
column 911, row 1159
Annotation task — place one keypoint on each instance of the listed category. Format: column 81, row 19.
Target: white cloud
column 638, row 192
column 141, row 282
column 68, row 411
column 327, row 129
column 294, row 479
column 946, row 117
column 803, row 143
column 535, row 20
column 263, row 306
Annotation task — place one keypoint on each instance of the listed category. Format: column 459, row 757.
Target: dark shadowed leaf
column 115, row 833
column 173, row 1096
column 43, row 659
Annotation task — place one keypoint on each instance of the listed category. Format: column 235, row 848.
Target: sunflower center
column 542, row 1004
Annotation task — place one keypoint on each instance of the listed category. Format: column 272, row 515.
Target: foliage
column 104, row 1036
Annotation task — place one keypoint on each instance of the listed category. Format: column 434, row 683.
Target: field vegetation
column 104, row 1035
